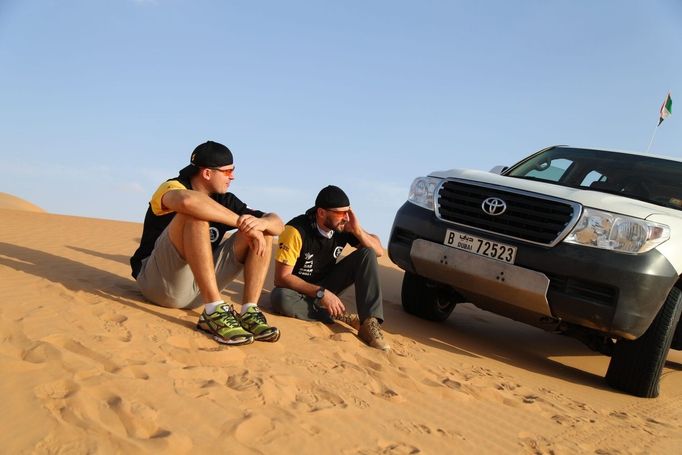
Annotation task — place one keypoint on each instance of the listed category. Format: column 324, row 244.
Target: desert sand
column 87, row 366
column 11, row 202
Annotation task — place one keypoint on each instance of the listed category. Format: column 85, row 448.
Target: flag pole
column 665, row 111
column 652, row 138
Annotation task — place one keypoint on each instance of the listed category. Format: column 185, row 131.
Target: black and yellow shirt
column 303, row 247
column 159, row 217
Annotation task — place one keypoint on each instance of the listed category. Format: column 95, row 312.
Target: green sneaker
column 254, row 321
column 223, row 325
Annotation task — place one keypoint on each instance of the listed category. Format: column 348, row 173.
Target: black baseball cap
column 331, row 197
column 209, row 154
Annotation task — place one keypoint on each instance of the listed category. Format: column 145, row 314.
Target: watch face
column 320, row 294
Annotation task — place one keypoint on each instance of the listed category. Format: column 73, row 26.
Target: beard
column 337, row 226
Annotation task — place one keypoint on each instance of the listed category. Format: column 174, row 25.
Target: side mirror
column 499, row 169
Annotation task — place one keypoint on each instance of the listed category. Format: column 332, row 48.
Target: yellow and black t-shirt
column 159, row 217
column 303, row 247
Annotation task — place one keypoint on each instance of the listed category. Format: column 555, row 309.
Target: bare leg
column 255, row 267
column 190, row 237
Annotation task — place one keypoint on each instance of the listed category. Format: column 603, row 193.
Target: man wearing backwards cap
column 185, row 259
column 308, row 278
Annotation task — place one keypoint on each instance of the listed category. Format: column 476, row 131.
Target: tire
column 427, row 299
column 636, row 365
column 677, row 338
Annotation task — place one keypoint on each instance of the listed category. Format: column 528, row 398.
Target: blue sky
column 102, row 100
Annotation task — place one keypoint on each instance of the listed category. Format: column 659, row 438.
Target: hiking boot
column 370, row 333
column 223, row 325
column 254, row 321
column 351, row 319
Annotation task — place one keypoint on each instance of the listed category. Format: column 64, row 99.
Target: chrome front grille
column 528, row 216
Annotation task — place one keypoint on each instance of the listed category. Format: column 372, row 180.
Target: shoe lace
column 229, row 319
column 347, row 318
column 374, row 330
column 254, row 317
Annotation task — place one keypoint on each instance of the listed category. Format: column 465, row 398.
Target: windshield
column 646, row 178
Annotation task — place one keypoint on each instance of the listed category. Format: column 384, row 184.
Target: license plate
column 482, row 247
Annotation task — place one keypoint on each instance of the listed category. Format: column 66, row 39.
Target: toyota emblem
column 494, row 206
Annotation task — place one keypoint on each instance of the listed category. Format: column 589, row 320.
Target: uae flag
column 666, row 108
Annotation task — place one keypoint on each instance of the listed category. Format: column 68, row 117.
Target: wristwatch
column 319, row 295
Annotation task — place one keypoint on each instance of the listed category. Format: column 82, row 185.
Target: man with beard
column 308, row 277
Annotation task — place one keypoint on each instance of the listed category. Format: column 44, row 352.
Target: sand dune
column 88, row 366
column 8, row 201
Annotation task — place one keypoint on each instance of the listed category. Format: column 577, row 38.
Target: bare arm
column 366, row 239
column 270, row 224
column 198, row 205
column 285, row 279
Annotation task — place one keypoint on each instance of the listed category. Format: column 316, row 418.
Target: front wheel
column 427, row 299
column 636, row 365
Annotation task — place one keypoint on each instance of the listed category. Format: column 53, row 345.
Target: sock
column 246, row 307
column 210, row 307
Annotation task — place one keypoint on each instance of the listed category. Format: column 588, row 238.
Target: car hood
column 586, row 197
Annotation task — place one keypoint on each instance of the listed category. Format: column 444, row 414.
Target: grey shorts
column 167, row 280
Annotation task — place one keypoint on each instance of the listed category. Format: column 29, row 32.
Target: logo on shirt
column 307, row 267
column 337, row 251
column 213, row 234
column 283, row 246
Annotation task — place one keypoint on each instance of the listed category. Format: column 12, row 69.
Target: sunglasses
column 225, row 172
column 338, row 213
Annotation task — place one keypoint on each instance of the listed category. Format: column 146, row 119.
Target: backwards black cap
column 331, row 197
column 209, row 154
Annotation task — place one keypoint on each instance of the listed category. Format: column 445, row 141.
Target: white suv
column 584, row 242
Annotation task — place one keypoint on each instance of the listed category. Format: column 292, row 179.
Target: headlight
column 422, row 191
column 615, row 232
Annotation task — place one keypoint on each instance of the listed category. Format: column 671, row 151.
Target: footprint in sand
column 393, row 448
column 253, row 429
column 452, row 384
column 360, row 403
column 135, row 371
column 55, row 442
column 317, row 400
column 407, row 427
column 530, row 399
column 243, row 381
column 194, row 388
column 113, row 323
column 156, row 333
column 538, row 445
column 138, row 419
column 508, row 386
column 114, row 317
column 77, row 348
column 60, row 389
column 40, row 352
column 391, row 395
column 431, row 383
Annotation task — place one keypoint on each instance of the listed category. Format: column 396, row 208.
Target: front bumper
column 617, row 294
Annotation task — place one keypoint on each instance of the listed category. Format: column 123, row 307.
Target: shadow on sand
column 81, row 277
column 123, row 259
column 483, row 334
